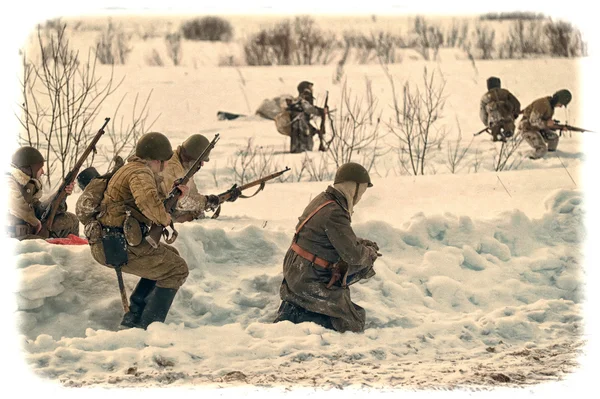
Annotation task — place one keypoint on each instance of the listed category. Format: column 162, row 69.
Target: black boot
column 296, row 314
column 137, row 303
column 157, row 307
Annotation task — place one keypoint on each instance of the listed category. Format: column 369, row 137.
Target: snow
column 484, row 275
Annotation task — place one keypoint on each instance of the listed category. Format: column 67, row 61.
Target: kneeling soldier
column 326, row 256
column 131, row 203
column 25, row 207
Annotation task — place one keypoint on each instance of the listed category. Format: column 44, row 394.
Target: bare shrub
column 270, row 46
column 353, row 132
column 208, row 28
column 312, row 45
column 173, row 44
column 253, row 162
column 61, row 99
column 564, row 40
column 455, row 155
column 485, row 41
column 429, row 38
column 505, row 158
column 112, row 46
column 317, row 172
column 512, row 15
column 524, row 39
column 457, row 34
column 417, row 121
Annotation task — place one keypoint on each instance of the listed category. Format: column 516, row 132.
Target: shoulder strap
column 323, row 205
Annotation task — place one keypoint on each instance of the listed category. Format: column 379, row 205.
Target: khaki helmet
column 154, row 146
column 352, row 171
column 194, row 145
column 86, row 176
column 27, row 156
column 562, row 96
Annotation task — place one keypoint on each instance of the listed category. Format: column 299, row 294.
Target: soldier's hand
column 212, row 201
column 235, row 193
column 370, row 243
column 550, row 123
column 69, row 188
column 184, row 189
column 37, row 227
column 373, row 254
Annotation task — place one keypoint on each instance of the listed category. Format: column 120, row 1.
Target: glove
column 235, row 193
column 370, row 243
column 212, row 201
column 372, row 253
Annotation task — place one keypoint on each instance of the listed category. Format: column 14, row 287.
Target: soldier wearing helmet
column 301, row 110
column 25, row 207
column 326, row 256
column 131, row 204
column 193, row 205
column 498, row 110
column 537, row 123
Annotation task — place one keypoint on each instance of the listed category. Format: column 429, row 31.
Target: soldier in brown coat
column 25, row 207
column 498, row 110
column 323, row 247
column 131, row 204
column 536, row 123
column 193, row 205
column 301, row 110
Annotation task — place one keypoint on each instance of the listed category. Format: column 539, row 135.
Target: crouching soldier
column 193, row 205
column 326, row 256
column 130, row 204
column 498, row 110
column 25, row 207
column 301, row 110
column 537, row 123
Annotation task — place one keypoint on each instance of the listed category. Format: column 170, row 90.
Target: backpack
column 89, row 203
column 283, row 123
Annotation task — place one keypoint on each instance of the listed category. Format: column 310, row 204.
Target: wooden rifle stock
column 50, row 212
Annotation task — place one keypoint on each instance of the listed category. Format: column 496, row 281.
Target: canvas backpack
column 89, row 203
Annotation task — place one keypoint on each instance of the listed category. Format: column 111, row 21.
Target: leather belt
column 310, row 257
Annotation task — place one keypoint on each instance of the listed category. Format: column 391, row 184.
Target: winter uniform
column 191, row 206
column 322, row 239
column 301, row 109
column 132, row 203
column 499, row 109
column 25, row 208
column 534, row 123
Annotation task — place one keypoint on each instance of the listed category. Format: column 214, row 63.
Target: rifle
column 559, row 126
column 49, row 214
column 156, row 231
column 322, row 127
column 485, row 129
column 229, row 193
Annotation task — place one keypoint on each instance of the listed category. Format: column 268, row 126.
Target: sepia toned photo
column 269, row 202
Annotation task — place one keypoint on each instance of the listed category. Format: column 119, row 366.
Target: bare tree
column 505, row 158
column 173, row 43
column 61, row 100
column 253, row 162
column 416, row 123
column 354, row 133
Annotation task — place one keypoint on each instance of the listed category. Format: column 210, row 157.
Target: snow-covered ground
column 486, row 280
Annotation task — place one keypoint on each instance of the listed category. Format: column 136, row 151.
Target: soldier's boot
column 552, row 143
column 157, row 307
column 137, row 303
column 296, row 314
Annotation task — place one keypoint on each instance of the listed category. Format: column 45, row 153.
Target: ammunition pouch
column 115, row 246
column 93, row 232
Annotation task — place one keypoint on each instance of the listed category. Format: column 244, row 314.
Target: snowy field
column 486, row 282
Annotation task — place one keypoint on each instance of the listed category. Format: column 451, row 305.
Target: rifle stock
column 156, row 231
column 50, row 212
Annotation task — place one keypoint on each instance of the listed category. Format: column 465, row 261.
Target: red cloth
column 70, row 240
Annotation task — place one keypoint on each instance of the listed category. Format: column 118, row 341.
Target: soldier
column 499, row 109
column 131, row 203
column 323, row 247
column 193, row 205
column 537, row 122
column 301, row 109
column 25, row 207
